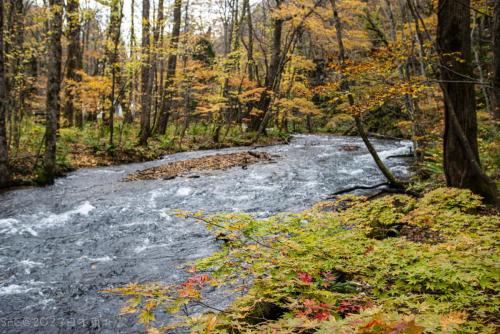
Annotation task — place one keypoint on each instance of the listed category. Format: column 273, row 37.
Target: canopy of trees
column 128, row 73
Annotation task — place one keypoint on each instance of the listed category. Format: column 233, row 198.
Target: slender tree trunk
column 53, row 89
column 156, row 61
column 17, row 88
column 129, row 114
column 359, row 124
column 259, row 123
column 250, row 59
column 461, row 156
column 477, row 61
column 146, row 77
column 114, row 29
column 495, row 96
column 171, row 67
column 72, row 112
column 4, row 151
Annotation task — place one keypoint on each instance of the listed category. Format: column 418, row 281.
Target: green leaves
column 343, row 271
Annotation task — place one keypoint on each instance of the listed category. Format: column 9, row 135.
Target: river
column 61, row 245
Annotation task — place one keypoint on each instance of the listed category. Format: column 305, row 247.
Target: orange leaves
column 190, row 289
column 90, row 91
column 379, row 325
column 251, row 95
column 452, row 319
column 211, row 323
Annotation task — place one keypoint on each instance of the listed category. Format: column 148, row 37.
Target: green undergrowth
column 390, row 265
column 89, row 146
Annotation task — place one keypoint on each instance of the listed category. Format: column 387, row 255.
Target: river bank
column 76, row 152
column 395, row 264
column 63, row 244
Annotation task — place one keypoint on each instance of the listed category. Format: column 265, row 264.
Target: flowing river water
column 61, row 245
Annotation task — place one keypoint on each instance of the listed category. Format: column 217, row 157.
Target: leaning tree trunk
column 74, row 63
column 461, row 155
column 4, row 157
column 495, row 96
column 359, row 124
column 146, row 77
column 166, row 105
column 53, row 89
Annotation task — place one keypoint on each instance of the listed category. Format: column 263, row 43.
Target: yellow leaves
column 451, row 320
column 251, row 95
column 146, row 317
column 211, row 323
column 153, row 330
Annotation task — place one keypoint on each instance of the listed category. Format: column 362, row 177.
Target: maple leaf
column 322, row 315
column 305, row 278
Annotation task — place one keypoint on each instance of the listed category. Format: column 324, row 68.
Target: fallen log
column 389, row 190
column 347, row 190
column 407, row 155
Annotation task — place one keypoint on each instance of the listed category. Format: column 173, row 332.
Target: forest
column 367, row 132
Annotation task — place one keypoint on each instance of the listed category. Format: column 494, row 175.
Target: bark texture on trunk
column 4, row 151
column 461, row 155
column 146, row 76
column 259, row 123
column 53, row 89
column 495, row 96
column 114, row 36
column 251, row 62
column 171, row 67
column 74, row 63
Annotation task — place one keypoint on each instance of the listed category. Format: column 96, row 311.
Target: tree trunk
column 156, row 61
column 129, row 114
column 114, row 32
column 359, row 125
column 171, row 67
column 461, row 156
column 259, row 123
column 495, row 96
column 4, row 151
column 250, row 59
column 72, row 112
column 53, row 89
column 146, row 77
column 17, row 87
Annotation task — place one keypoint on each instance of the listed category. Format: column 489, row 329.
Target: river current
column 61, row 245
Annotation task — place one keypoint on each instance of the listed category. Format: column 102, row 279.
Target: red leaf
column 305, row 278
column 323, row 315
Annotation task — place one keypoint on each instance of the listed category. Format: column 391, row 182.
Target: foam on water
column 96, row 259
column 14, row 226
column 28, row 265
column 184, row 191
column 55, row 219
column 13, row 289
column 128, row 231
